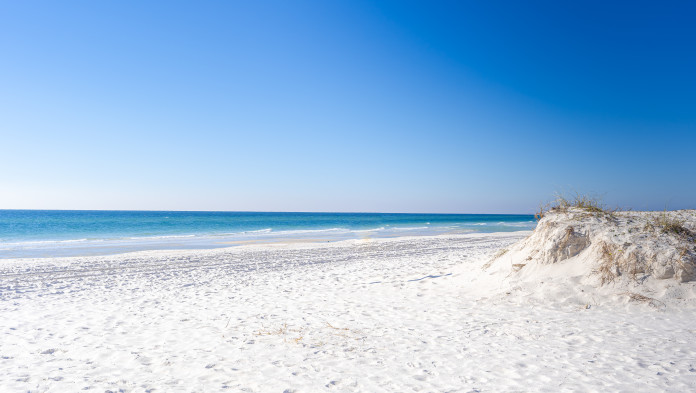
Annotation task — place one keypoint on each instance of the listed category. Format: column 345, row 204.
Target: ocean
column 57, row 233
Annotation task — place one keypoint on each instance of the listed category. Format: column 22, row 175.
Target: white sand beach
column 385, row 315
column 347, row 196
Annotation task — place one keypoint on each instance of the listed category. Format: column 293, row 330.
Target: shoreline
column 278, row 241
column 79, row 233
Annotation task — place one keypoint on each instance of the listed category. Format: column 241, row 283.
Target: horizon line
column 262, row 211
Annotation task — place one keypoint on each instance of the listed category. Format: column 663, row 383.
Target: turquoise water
column 50, row 233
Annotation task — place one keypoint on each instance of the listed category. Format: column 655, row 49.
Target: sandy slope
column 392, row 315
column 579, row 256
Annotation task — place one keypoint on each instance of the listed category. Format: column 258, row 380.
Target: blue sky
column 392, row 106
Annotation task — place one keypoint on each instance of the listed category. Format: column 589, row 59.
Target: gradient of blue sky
column 394, row 106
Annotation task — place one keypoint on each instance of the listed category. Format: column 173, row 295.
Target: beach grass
column 585, row 202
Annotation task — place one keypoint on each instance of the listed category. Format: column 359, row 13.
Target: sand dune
column 582, row 256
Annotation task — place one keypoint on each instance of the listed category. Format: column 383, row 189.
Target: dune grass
column 584, row 202
column 670, row 225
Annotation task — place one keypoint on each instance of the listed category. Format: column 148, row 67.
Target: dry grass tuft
column 281, row 331
column 607, row 269
column 347, row 333
column 497, row 255
column 569, row 231
column 637, row 297
column 587, row 203
column 516, row 267
column 314, row 336
column 615, row 262
column 670, row 225
column 500, row 253
column 330, row 326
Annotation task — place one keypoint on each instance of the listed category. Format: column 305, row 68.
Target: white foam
column 159, row 237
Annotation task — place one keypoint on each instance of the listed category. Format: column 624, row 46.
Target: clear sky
column 392, row 106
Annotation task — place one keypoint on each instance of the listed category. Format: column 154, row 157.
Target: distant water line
column 53, row 233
